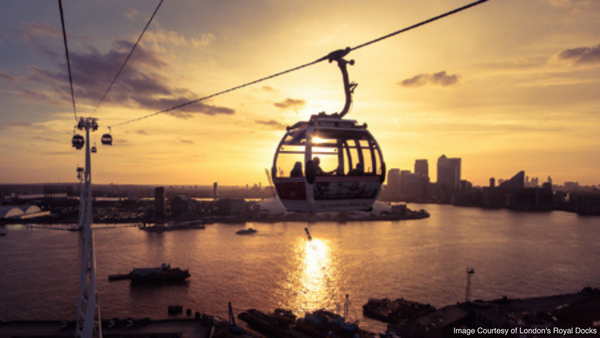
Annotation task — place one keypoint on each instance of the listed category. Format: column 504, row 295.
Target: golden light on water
column 315, row 280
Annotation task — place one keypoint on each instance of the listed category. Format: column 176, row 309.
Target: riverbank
column 395, row 214
column 552, row 316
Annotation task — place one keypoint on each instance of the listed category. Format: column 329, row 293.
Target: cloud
column 561, row 3
column 163, row 36
column 58, row 153
column 441, row 78
column 132, row 14
column 416, row 81
column 187, row 141
column 580, row 56
column 574, row 4
column 36, row 35
column 4, row 76
column 45, row 139
column 21, row 124
column 142, row 132
column 139, row 85
column 444, row 79
column 184, row 112
column 292, row 104
column 272, row 124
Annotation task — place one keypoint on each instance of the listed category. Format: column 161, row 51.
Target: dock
column 395, row 311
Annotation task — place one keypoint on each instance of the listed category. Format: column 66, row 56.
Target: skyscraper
column 422, row 168
column 159, row 202
column 448, row 173
column 394, row 182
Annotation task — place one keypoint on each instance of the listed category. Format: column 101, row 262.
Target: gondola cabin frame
column 340, row 145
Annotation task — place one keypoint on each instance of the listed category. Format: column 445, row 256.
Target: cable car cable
column 220, row 93
column 128, row 56
column 420, row 24
column 331, row 57
column 62, row 21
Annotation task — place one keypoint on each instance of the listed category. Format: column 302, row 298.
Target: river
column 514, row 254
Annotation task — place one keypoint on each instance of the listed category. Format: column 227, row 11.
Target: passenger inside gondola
column 359, row 170
column 316, row 162
column 297, row 170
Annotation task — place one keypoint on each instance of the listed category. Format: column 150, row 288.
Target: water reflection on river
column 514, row 254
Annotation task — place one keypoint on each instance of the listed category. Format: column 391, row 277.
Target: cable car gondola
column 78, row 141
column 79, row 173
column 331, row 141
column 107, row 139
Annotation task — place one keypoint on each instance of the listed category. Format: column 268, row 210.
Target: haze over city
column 507, row 86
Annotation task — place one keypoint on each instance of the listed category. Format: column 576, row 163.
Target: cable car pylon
column 89, row 323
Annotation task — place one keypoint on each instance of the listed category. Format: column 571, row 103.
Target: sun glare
column 315, row 280
column 317, row 140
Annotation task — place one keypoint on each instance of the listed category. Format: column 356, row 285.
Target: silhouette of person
column 318, row 171
column 297, row 171
column 359, row 170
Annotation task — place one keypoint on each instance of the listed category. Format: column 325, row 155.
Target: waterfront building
column 422, row 168
column 182, row 205
column 57, row 191
column 412, row 186
column 394, row 183
column 159, row 202
column 448, row 173
column 21, row 212
column 232, row 206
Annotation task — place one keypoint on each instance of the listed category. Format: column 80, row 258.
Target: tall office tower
column 159, row 202
column 448, row 173
column 394, row 182
column 422, row 168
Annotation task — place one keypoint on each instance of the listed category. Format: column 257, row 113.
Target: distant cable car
column 94, row 149
column 107, row 139
column 79, row 173
column 345, row 148
column 78, row 141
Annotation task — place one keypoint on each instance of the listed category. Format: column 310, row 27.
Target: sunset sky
column 507, row 85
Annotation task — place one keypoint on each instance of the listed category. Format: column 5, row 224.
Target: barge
column 162, row 274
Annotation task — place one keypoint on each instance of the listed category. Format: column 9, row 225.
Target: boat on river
column 162, row 274
column 248, row 231
column 160, row 227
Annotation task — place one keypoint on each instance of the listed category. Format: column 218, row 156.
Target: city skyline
column 505, row 86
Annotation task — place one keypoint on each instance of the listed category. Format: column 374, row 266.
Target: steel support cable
column 421, row 23
column 220, row 93
column 62, row 21
column 331, row 56
column 128, row 56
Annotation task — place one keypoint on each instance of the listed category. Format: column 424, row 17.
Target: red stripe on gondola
column 291, row 189
column 347, row 179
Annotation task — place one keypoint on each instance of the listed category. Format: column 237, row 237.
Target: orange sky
column 508, row 85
